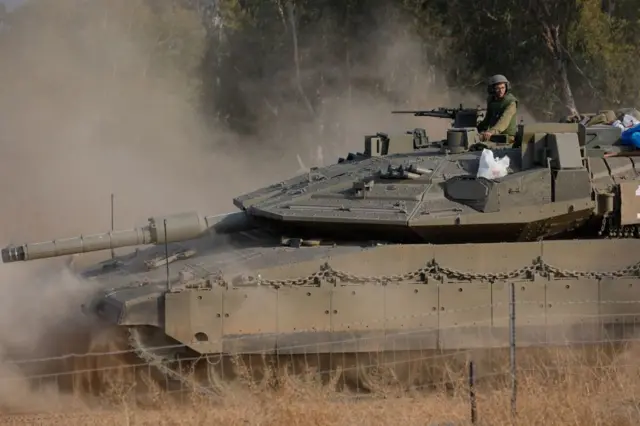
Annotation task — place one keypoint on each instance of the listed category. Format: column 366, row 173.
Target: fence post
column 472, row 394
column 512, row 346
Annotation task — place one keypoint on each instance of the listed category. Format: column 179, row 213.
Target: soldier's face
column 500, row 89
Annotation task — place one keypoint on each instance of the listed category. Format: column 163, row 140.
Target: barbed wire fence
column 456, row 365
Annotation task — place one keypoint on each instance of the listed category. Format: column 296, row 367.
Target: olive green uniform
column 501, row 116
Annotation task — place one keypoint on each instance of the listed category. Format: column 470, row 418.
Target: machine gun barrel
column 179, row 227
column 428, row 113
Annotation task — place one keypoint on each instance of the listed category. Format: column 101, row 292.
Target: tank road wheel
column 303, row 370
column 356, row 372
column 367, row 372
column 383, row 372
column 225, row 375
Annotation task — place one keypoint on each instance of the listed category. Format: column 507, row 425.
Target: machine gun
column 462, row 117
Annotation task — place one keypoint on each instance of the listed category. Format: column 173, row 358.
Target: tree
column 278, row 61
column 576, row 40
column 604, row 51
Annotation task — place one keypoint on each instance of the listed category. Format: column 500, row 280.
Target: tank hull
column 397, row 297
column 353, row 308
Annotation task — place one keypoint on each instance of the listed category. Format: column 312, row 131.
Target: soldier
column 501, row 110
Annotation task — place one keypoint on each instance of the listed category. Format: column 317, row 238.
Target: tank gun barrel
column 179, row 227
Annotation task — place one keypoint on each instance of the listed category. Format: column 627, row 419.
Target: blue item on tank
column 631, row 136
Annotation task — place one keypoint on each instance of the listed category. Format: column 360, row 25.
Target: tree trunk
column 296, row 59
column 551, row 35
column 565, row 88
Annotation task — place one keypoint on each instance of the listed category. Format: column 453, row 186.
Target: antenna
column 113, row 253
column 166, row 254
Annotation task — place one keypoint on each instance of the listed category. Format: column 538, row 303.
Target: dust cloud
column 86, row 111
column 41, row 318
column 83, row 115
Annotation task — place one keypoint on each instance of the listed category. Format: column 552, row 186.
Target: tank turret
column 160, row 230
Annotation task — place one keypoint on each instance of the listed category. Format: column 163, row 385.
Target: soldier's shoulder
column 511, row 98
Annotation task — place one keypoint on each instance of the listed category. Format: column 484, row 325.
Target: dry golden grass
column 564, row 386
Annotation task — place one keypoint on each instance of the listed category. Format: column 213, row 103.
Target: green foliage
column 606, row 48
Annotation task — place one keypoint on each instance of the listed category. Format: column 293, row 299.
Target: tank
column 395, row 253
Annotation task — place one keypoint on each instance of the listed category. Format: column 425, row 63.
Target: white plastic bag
column 629, row 121
column 491, row 168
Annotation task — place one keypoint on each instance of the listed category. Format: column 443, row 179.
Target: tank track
column 211, row 373
column 357, row 373
column 161, row 363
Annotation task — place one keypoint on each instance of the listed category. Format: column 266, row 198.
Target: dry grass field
column 561, row 386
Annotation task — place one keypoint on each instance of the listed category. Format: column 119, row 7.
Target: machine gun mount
column 462, row 117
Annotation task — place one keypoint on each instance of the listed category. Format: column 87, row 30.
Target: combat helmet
column 496, row 79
